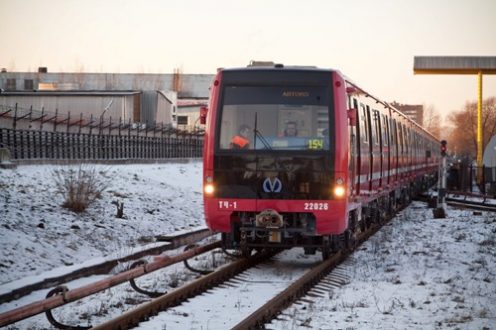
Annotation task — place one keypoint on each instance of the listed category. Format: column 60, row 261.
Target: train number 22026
column 316, row 206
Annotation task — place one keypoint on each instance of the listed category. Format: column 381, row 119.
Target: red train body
column 350, row 160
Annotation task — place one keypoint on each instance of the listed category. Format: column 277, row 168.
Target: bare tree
column 464, row 134
column 432, row 121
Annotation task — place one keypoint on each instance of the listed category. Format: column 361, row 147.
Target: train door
column 394, row 150
column 407, row 146
column 401, row 151
column 409, row 151
column 376, row 149
column 354, row 166
column 365, row 168
column 386, row 151
column 382, row 144
column 427, row 152
column 416, row 160
column 371, row 149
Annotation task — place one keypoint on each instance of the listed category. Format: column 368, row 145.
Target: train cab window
column 276, row 117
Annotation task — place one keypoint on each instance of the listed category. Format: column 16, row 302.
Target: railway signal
column 444, row 148
column 440, row 211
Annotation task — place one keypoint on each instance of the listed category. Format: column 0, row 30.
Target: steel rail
column 463, row 203
column 41, row 306
column 276, row 305
column 145, row 311
column 105, row 267
column 471, row 205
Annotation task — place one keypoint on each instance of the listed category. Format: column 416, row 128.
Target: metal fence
column 467, row 177
column 26, row 144
column 31, row 134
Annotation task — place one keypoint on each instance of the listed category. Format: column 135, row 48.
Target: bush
column 80, row 187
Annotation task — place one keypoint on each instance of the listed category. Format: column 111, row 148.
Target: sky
column 371, row 42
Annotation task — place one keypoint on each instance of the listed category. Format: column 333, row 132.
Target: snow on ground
column 37, row 234
column 417, row 272
column 239, row 297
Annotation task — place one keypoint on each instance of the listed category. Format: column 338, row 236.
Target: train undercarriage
column 272, row 230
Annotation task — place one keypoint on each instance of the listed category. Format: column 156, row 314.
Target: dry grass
column 80, row 186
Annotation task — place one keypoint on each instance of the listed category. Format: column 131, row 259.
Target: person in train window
column 240, row 140
column 325, row 135
column 291, row 129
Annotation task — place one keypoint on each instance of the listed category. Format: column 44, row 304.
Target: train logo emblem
column 272, row 185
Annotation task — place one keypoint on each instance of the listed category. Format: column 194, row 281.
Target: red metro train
column 301, row 156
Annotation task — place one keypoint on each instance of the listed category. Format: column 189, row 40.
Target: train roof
column 360, row 90
column 264, row 66
column 271, row 66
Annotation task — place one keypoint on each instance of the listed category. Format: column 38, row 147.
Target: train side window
column 414, row 141
column 370, row 124
column 385, row 131
column 363, row 124
column 418, row 143
column 400, row 135
column 376, row 126
column 393, row 133
column 355, row 103
column 411, row 143
column 406, row 140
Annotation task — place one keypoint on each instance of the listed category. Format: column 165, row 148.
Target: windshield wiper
column 259, row 135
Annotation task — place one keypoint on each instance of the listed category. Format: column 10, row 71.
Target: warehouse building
column 149, row 99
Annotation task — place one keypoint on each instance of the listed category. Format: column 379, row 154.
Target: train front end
column 286, row 184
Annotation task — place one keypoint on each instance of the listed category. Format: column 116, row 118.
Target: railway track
column 60, row 295
column 171, row 242
column 459, row 200
column 471, row 205
column 484, row 205
column 317, row 276
column 234, row 276
column 235, row 280
column 190, row 290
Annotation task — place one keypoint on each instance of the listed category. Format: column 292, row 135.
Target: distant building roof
column 413, row 111
column 184, row 103
column 69, row 93
column 454, row 64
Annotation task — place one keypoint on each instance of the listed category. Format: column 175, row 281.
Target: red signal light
column 444, row 147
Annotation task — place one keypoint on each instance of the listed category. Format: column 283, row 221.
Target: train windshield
column 275, row 118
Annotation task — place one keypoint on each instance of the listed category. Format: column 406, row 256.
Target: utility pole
column 440, row 210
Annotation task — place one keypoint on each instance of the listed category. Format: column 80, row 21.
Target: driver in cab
column 240, row 140
column 291, row 129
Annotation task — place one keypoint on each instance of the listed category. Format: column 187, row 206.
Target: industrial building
column 148, row 99
column 414, row 112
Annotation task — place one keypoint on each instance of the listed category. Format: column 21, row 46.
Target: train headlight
column 339, row 189
column 209, row 187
